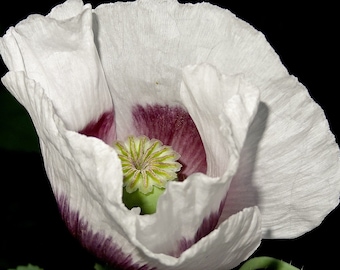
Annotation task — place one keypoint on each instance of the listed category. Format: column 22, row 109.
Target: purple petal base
column 174, row 127
column 103, row 247
column 207, row 226
column 103, row 128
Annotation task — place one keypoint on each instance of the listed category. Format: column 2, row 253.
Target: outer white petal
column 224, row 248
column 162, row 37
column 87, row 172
column 144, row 46
column 289, row 165
column 67, row 10
column 85, row 175
column 200, row 195
column 237, row 238
column 59, row 52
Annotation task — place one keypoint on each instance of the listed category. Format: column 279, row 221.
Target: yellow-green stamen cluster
column 147, row 167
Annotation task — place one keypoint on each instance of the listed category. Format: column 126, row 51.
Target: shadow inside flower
column 242, row 193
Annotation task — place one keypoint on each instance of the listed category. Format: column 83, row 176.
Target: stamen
column 147, row 167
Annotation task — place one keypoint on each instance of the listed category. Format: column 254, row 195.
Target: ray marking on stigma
column 147, row 166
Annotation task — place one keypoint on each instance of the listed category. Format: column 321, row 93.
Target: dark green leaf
column 98, row 266
column 28, row 267
column 268, row 263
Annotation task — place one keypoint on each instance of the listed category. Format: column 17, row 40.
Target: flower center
column 147, row 167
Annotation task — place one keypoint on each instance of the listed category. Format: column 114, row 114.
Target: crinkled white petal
column 227, row 246
column 289, row 165
column 224, row 248
column 201, row 195
column 59, row 52
column 67, row 10
column 206, row 93
column 88, row 173
column 84, row 170
column 145, row 44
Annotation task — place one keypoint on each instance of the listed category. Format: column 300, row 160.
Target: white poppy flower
column 258, row 159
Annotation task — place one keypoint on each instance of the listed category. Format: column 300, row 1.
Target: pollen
column 147, row 166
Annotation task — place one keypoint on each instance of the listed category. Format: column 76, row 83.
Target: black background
column 305, row 37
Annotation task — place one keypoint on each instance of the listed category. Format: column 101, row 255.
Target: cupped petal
column 224, row 248
column 59, row 52
column 135, row 73
column 203, row 195
column 227, row 246
column 86, row 177
column 291, row 159
column 144, row 45
column 207, row 93
column 163, row 37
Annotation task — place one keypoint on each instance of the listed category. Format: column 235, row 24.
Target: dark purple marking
column 103, row 128
column 207, row 226
column 104, row 248
column 173, row 126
